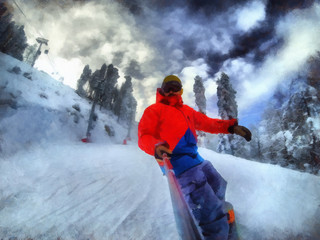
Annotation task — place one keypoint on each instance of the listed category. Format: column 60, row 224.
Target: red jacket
column 170, row 121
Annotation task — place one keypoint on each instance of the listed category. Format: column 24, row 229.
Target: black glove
column 160, row 150
column 241, row 131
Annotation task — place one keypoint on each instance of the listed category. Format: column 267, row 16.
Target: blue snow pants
column 204, row 190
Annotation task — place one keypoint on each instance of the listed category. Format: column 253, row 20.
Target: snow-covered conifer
column 227, row 104
column 290, row 130
column 127, row 103
column 13, row 40
column 84, row 78
column 199, row 93
column 18, row 43
column 97, row 81
column 228, row 109
column 101, row 82
column 301, row 118
column 201, row 102
column 255, row 144
column 273, row 137
column 30, row 53
column 110, row 81
column 93, row 84
column 313, row 77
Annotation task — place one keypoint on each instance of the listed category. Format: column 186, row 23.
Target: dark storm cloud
column 250, row 42
column 277, row 8
column 274, row 7
column 215, row 62
column 210, row 7
column 134, row 6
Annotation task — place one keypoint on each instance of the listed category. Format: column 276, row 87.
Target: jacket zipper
column 186, row 118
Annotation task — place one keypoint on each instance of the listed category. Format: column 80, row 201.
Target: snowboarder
column 169, row 126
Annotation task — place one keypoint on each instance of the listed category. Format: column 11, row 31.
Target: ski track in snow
column 76, row 195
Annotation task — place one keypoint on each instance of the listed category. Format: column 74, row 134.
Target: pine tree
column 228, row 109
column 127, row 103
column 313, row 80
column 273, row 138
column 84, row 78
column 30, row 53
column 301, row 116
column 13, row 40
column 255, row 145
column 290, row 130
column 18, row 43
column 6, row 25
column 93, row 84
column 227, row 104
column 101, row 78
column 132, row 115
column 125, row 96
column 110, row 81
column 201, row 102
column 116, row 101
column 199, row 93
column 96, row 91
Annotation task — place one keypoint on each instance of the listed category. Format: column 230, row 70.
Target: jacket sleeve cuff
column 161, row 143
column 234, row 123
column 231, row 129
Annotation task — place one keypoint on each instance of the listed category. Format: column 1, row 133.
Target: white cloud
column 222, row 44
column 301, row 33
column 250, row 15
column 92, row 32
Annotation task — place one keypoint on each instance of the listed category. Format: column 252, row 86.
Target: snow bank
column 271, row 202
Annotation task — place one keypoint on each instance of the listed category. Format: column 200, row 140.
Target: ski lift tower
column 38, row 53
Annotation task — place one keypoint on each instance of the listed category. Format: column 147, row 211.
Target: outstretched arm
column 211, row 125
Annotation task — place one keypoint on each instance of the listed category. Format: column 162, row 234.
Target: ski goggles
column 172, row 86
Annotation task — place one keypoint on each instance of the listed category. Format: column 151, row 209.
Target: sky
column 259, row 44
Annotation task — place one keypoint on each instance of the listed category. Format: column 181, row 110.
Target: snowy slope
column 84, row 191
column 36, row 110
column 98, row 191
column 54, row 186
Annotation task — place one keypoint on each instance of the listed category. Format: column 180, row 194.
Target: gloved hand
column 160, row 150
column 241, row 131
